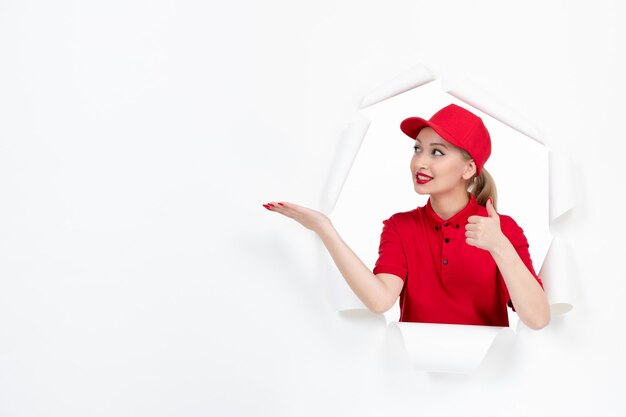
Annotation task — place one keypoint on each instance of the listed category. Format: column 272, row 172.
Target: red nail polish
column 281, row 204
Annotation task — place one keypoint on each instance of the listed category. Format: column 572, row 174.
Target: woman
column 454, row 260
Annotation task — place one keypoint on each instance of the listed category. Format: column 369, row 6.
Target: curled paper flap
column 561, row 185
column 347, row 149
column 413, row 77
column 455, row 348
column 475, row 96
column 556, row 274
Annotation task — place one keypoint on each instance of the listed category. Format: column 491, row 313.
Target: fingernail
column 491, row 199
column 281, row 204
column 270, row 204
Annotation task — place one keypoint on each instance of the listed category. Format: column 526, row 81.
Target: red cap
column 458, row 126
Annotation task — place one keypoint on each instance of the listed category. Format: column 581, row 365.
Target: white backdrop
column 139, row 273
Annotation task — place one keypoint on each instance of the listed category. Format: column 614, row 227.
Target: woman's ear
column 470, row 170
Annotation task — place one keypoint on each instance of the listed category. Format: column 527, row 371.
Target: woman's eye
column 418, row 149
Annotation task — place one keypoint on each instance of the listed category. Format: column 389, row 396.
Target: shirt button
column 445, row 262
column 436, row 227
column 446, row 224
column 457, row 226
column 447, row 240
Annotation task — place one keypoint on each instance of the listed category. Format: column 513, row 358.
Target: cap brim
column 412, row 125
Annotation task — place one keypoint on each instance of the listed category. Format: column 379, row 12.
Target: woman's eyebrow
column 433, row 144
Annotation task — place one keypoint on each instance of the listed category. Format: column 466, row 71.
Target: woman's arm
column 377, row 292
column 529, row 299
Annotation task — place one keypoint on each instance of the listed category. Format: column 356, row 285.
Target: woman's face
column 442, row 163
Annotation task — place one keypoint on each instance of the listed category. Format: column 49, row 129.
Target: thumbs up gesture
column 484, row 232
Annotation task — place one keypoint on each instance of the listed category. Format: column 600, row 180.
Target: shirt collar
column 457, row 220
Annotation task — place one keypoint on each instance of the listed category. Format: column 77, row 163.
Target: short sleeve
column 391, row 254
column 516, row 236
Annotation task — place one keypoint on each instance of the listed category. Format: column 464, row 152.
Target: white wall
column 139, row 273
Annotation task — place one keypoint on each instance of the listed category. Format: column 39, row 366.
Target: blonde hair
column 482, row 186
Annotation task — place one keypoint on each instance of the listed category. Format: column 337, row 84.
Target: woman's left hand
column 484, row 232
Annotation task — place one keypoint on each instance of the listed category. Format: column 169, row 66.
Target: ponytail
column 482, row 186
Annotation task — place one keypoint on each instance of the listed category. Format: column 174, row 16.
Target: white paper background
column 139, row 273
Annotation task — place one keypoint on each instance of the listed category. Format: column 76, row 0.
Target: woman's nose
column 419, row 161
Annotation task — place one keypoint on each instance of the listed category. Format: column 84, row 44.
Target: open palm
column 309, row 218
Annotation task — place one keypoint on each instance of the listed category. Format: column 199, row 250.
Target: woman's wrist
column 500, row 249
column 325, row 228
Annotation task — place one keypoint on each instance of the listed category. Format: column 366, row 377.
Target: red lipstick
column 421, row 178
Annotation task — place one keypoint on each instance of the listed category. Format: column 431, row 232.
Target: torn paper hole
column 431, row 356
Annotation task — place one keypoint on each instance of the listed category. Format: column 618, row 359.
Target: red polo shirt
column 447, row 280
